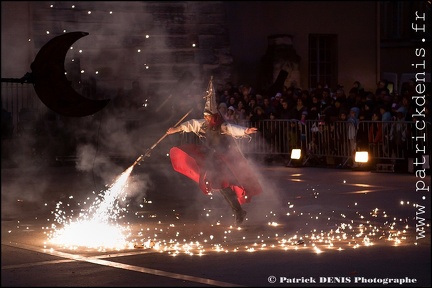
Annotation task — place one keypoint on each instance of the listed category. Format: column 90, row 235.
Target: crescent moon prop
column 51, row 84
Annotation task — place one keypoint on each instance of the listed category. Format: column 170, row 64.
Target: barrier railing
column 393, row 140
column 20, row 104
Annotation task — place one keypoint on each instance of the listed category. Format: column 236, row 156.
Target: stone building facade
column 158, row 44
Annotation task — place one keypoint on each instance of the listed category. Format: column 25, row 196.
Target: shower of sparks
column 97, row 226
column 292, row 229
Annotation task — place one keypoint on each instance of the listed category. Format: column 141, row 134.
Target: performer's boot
column 231, row 197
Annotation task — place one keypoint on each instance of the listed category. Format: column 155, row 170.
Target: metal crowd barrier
column 330, row 142
column 20, row 102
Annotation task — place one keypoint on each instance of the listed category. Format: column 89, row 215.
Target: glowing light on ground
column 96, row 227
column 91, row 234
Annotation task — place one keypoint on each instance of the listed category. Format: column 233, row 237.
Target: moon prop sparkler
column 51, row 84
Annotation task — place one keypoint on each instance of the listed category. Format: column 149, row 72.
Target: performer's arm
column 193, row 125
column 238, row 130
column 251, row 130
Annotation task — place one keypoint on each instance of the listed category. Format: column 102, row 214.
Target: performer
column 218, row 164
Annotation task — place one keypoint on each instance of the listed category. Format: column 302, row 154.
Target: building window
column 397, row 16
column 323, row 60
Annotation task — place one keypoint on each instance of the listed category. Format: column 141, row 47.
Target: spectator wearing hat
column 276, row 102
column 223, row 109
column 277, row 97
column 231, row 116
column 257, row 117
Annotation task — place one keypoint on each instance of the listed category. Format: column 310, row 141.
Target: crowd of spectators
column 245, row 105
column 382, row 113
column 319, row 103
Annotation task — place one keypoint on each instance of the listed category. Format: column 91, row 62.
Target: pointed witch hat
column 210, row 107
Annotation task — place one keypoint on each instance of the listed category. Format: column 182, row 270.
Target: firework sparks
column 96, row 227
column 316, row 231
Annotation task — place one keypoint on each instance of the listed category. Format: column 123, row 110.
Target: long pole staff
column 147, row 154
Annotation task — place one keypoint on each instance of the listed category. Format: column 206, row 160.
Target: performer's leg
column 232, row 200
